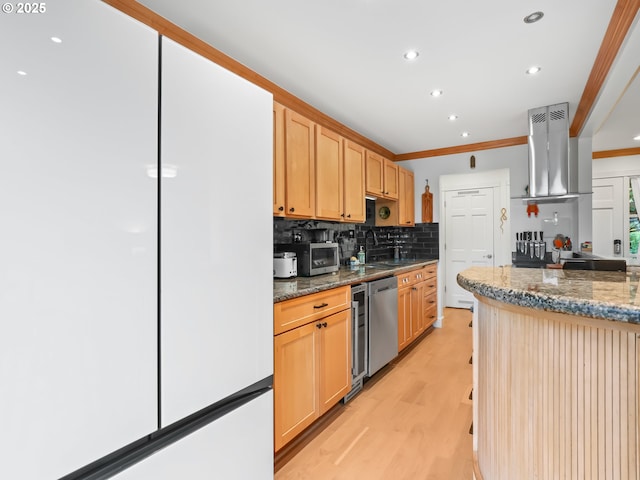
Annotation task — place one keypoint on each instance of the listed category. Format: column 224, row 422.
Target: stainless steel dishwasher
column 383, row 323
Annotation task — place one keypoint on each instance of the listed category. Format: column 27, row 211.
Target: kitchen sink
column 392, row 263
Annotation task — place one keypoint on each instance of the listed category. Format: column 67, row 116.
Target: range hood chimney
column 553, row 168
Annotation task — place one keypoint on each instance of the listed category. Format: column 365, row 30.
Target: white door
column 468, row 238
column 608, row 214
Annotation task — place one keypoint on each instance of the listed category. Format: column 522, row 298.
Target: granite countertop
column 285, row 289
column 595, row 294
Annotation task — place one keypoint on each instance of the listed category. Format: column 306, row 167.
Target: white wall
column 615, row 167
column 516, row 159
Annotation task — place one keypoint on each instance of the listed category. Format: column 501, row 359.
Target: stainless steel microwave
column 314, row 258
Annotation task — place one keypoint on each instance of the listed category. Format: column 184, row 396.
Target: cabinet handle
column 408, row 221
column 414, row 288
column 324, row 324
column 431, row 286
column 281, row 208
column 322, row 305
column 432, row 301
column 292, row 209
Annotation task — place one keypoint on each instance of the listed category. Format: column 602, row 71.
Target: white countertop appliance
column 285, row 265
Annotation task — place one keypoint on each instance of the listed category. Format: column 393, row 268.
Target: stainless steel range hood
column 553, row 168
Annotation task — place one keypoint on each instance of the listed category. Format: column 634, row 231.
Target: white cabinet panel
column 237, row 446
column 78, row 247
column 216, row 230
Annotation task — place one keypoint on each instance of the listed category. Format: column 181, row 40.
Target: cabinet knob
column 414, row 288
column 292, row 209
column 349, row 216
column 280, row 208
column 318, row 325
column 342, row 215
column 324, row 324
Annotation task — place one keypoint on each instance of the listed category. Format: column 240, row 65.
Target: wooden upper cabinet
column 382, row 177
column 278, row 160
column 391, row 180
column 406, row 202
column 354, row 183
column 329, row 174
column 299, row 166
column 375, row 174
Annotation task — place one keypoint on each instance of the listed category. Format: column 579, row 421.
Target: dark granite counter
column 284, row 289
column 595, row 294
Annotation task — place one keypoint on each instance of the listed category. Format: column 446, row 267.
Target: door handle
column 488, row 256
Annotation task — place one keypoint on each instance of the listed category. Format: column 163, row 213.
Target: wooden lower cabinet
column 404, row 317
column 312, row 372
column 334, row 351
column 295, row 382
column 417, row 303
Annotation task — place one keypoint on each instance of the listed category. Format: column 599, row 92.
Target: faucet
column 375, row 240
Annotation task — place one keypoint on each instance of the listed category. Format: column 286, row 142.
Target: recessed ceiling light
column 453, row 117
column 533, row 70
column 56, row 39
column 533, row 17
column 637, row 138
column 465, row 134
column 436, row 93
column 411, row 55
column 21, row 72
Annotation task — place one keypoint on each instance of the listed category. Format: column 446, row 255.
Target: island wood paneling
column 558, row 395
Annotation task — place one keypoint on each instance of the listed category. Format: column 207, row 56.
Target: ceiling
column 345, row 58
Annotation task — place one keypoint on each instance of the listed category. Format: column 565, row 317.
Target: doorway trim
column 499, row 180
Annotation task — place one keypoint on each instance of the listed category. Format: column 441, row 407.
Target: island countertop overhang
column 595, row 294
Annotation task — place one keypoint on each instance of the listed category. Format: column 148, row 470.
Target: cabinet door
column 78, row 247
column 375, row 174
column 354, row 183
column 329, row 174
column 404, row 317
column 278, row 159
column 406, row 200
column 217, row 134
column 295, row 380
column 391, row 179
column 299, row 165
column 334, row 359
column 417, row 310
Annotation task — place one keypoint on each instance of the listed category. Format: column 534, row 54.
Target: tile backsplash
column 419, row 242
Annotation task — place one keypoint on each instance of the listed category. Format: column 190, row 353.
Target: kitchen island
column 556, row 373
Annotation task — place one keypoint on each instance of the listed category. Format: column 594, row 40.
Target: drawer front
column 430, row 308
column 406, row 279
column 430, row 271
column 302, row 310
column 431, row 285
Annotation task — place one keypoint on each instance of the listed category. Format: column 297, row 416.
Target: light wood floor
column 411, row 421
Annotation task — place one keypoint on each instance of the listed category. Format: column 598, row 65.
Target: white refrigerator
column 135, row 255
